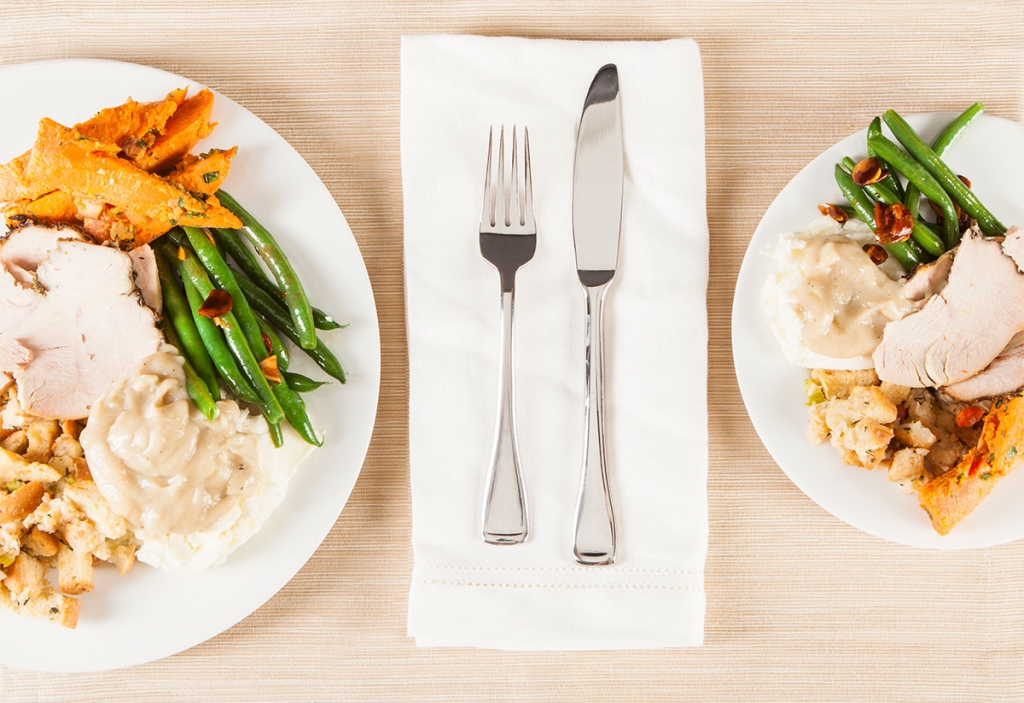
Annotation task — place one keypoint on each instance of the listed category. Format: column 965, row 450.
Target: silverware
column 596, row 216
column 508, row 239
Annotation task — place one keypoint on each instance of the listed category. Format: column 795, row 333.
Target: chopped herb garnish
column 211, row 176
column 1011, row 452
column 986, row 476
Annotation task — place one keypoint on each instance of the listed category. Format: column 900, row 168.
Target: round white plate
column 148, row 614
column 990, row 154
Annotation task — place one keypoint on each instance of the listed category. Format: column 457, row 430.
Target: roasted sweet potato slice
column 133, row 126
column 949, row 498
column 13, row 185
column 56, row 207
column 203, row 174
column 86, row 168
column 189, row 123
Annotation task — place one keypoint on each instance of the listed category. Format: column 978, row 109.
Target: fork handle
column 594, row 543
column 505, row 505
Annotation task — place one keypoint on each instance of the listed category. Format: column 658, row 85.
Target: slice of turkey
column 1004, row 374
column 24, row 249
column 69, row 334
column 959, row 331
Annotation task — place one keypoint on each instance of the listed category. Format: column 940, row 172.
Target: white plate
column 148, row 614
column 990, row 154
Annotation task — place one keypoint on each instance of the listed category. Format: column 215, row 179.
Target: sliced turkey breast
column 70, row 335
column 961, row 330
column 147, row 280
column 929, row 279
column 1013, row 245
column 24, row 249
column 1004, row 374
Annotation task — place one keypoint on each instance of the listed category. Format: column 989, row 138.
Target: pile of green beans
column 192, row 263
column 926, row 174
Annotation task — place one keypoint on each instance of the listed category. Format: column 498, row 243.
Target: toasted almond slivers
column 270, row 370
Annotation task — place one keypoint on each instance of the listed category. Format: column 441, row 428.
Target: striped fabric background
column 800, row 606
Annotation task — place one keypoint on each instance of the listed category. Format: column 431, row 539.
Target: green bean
column 928, row 238
column 890, row 181
column 180, row 316
column 277, row 262
column 302, row 384
column 275, row 433
column 956, row 189
column 920, row 176
column 217, row 267
column 245, row 258
column 233, row 335
column 945, row 141
column 194, row 384
column 957, row 128
column 295, row 411
column 213, row 340
column 277, row 347
column 275, row 313
column 906, row 252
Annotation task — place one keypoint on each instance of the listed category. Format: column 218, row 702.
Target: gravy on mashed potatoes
column 192, row 489
column 827, row 301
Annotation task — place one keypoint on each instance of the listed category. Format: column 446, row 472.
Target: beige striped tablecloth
column 799, row 606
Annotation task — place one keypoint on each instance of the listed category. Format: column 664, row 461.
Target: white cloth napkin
column 534, row 596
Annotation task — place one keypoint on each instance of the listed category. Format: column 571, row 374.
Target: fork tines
column 515, row 215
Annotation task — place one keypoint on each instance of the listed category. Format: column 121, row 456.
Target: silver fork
column 508, row 239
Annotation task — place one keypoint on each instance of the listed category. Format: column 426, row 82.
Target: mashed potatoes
column 827, row 302
column 192, row 489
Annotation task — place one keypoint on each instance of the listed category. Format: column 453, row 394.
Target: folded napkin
column 534, row 596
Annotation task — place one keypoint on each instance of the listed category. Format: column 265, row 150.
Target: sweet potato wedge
column 56, row 207
column 86, row 168
column 133, row 126
column 949, row 498
column 189, row 123
column 203, row 174
column 13, row 185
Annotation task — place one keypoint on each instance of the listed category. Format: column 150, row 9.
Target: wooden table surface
column 800, row 606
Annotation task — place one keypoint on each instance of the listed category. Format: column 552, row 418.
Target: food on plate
column 917, row 370
column 147, row 404
column 954, row 494
column 52, row 516
column 104, row 174
column 943, row 343
column 827, row 301
column 72, row 320
column 192, row 489
column 912, row 434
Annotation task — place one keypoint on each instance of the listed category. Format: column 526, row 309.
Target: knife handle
column 595, row 524
column 505, row 505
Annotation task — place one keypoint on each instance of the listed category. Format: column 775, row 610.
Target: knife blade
column 596, row 224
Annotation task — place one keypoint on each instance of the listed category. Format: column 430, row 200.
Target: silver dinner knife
column 596, row 216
